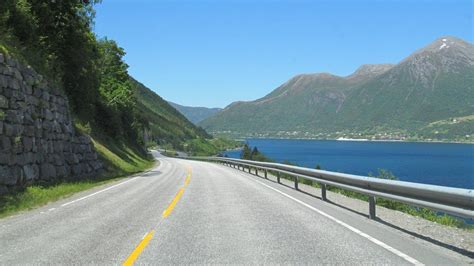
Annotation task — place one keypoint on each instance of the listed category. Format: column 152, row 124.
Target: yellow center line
column 170, row 208
column 138, row 250
column 188, row 178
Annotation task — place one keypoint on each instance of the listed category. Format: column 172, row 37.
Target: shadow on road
column 429, row 239
column 456, row 249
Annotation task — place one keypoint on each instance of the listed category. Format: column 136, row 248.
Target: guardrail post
column 433, row 197
column 371, row 207
column 256, row 171
column 265, row 171
column 323, row 192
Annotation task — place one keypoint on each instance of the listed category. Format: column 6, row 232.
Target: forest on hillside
column 56, row 38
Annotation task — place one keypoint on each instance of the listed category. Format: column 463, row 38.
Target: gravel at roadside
column 451, row 237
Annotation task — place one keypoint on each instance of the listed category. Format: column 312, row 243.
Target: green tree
column 255, row 153
column 246, row 153
column 115, row 86
column 60, row 42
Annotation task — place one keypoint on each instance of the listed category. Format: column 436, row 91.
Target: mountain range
column 195, row 114
column 428, row 95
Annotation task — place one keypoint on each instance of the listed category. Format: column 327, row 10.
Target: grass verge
column 36, row 196
column 120, row 160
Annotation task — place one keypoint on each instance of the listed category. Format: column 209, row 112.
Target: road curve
column 184, row 212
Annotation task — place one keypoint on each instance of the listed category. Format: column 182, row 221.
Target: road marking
column 170, row 208
column 52, row 209
column 146, row 239
column 95, row 193
column 114, row 186
column 188, row 177
column 353, row 229
column 138, row 250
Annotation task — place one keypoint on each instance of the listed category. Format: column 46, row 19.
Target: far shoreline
column 361, row 140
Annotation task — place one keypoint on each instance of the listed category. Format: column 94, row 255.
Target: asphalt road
column 184, row 212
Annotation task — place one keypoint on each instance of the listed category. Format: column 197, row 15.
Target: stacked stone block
column 38, row 141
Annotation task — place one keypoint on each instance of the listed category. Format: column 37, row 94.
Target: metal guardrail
column 454, row 201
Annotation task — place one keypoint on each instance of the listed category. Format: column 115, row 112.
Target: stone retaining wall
column 38, row 141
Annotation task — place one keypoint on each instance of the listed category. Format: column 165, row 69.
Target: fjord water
column 444, row 164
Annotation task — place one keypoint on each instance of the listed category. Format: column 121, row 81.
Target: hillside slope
column 195, row 114
column 167, row 125
column 120, row 114
column 377, row 101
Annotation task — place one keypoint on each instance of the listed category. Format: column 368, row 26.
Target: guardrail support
column 265, row 171
column 453, row 201
column 323, row 192
column 256, row 171
column 372, row 207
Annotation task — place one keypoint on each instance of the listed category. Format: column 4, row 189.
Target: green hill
column 377, row 101
column 195, row 114
column 166, row 124
column 121, row 115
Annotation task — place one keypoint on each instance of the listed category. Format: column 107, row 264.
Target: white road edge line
column 355, row 230
column 95, row 193
column 103, row 190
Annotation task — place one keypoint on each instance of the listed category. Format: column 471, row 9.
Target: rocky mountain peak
column 447, row 50
column 369, row 70
column 446, row 43
column 444, row 55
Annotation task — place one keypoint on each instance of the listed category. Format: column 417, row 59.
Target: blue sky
column 211, row 53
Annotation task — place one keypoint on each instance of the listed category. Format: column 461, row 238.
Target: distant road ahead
column 185, row 212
